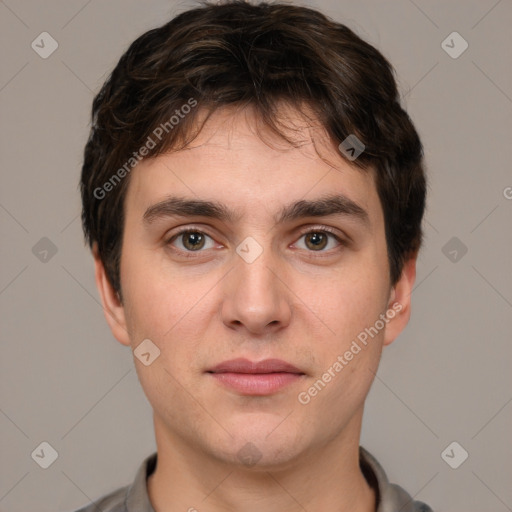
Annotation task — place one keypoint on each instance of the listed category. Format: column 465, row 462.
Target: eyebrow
column 324, row 206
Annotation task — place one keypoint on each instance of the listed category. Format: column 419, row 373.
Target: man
column 253, row 195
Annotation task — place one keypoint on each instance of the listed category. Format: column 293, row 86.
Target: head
column 228, row 121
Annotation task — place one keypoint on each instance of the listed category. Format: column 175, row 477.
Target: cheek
column 348, row 302
column 349, row 357
column 168, row 309
column 155, row 301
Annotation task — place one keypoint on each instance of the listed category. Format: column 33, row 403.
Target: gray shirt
column 134, row 497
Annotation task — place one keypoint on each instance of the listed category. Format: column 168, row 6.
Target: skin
column 295, row 302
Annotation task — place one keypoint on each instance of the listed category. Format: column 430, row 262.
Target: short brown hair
column 238, row 53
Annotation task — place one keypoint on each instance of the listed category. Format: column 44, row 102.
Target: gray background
column 66, row 381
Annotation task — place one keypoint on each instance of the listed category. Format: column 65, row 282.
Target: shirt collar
column 389, row 497
column 137, row 498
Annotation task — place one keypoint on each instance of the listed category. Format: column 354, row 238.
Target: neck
column 328, row 478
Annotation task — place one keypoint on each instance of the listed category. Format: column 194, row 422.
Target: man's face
column 254, row 286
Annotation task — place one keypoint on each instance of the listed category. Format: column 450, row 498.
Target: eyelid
column 341, row 237
column 303, row 231
column 187, row 229
column 319, row 227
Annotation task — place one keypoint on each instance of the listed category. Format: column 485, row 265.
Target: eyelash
column 319, row 229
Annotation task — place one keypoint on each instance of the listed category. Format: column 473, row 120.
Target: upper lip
column 242, row 365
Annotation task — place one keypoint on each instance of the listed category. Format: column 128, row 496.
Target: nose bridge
column 257, row 297
column 256, row 281
column 253, row 269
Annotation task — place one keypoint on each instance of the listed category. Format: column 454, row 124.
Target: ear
column 399, row 306
column 113, row 309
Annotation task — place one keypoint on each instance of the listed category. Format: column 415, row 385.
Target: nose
column 256, row 296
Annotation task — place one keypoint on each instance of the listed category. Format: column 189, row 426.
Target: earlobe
column 399, row 307
column 113, row 309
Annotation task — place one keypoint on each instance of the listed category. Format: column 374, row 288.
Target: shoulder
column 130, row 498
column 112, row 502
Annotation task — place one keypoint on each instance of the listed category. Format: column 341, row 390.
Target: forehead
column 239, row 161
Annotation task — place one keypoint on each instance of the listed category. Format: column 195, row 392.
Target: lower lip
column 257, row 383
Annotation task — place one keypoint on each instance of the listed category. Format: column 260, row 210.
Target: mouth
column 256, row 378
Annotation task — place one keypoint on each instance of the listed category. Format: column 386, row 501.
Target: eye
column 191, row 240
column 316, row 240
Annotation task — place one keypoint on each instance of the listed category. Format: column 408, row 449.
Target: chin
column 259, row 445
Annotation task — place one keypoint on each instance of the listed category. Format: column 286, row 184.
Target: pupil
column 193, row 240
column 317, row 239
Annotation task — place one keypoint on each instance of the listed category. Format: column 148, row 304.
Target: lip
column 242, row 365
column 256, row 378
